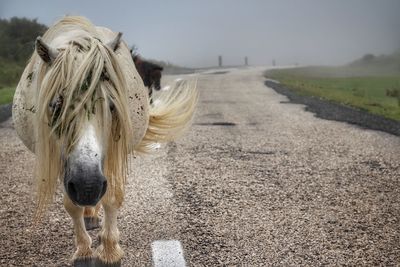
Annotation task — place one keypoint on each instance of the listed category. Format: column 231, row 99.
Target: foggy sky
column 194, row 33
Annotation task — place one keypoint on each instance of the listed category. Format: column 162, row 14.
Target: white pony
column 82, row 108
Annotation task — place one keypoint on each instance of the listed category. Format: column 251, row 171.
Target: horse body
column 82, row 108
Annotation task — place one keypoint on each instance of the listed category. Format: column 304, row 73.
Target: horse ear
column 113, row 44
column 47, row 53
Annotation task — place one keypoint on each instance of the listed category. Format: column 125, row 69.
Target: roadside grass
column 10, row 72
column 364, row 92
column 7, row 94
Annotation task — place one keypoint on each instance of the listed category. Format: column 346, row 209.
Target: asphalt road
column 255, row 182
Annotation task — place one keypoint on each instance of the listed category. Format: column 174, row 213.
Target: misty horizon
column 195, row 34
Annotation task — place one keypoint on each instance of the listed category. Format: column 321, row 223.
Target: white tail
column 170, row 115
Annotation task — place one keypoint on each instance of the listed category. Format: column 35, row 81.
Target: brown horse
column 150, row 74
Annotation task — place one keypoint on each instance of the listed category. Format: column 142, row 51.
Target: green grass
column 6, row 95
column 10, row 73
column 367, row 93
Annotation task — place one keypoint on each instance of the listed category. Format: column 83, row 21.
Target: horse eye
column 56, row 104
column 112, row 107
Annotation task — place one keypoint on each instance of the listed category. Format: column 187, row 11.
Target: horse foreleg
column 109, row 253
column 91, row 217
column 83, row 253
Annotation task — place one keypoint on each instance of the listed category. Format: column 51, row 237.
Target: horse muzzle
column 85, row 189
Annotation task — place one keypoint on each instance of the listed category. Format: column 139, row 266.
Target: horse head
column 85, row 113
column 155, row 76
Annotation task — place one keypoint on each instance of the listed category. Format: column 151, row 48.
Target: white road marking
column 166, row 88
column 167, row 253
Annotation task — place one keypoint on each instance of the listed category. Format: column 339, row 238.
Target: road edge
column 329, row 110
column 5, row 112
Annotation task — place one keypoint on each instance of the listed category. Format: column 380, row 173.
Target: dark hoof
column 99, row 263
column 91, row 223
column 84, row 262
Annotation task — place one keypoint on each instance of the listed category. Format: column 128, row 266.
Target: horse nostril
column 72, row 190
column 104, row 189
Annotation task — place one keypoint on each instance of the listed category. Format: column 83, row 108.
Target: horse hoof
column 99, row 263
column 87, row 262
column 91, row 223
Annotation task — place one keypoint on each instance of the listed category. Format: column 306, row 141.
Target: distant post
column 273, row 63
column 246, row 61
column 220, row 61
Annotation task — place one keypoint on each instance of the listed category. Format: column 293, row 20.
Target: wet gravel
column 256, row 182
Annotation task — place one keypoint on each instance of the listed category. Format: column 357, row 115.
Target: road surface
column 256, row 181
